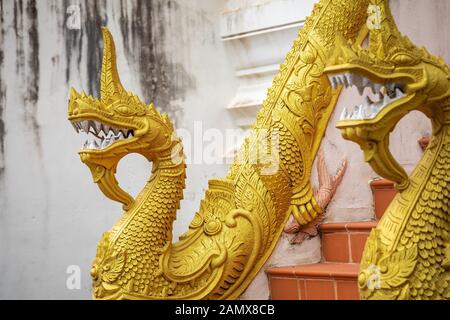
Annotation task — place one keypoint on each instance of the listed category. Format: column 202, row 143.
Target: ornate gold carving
column 385, row 275
column 242, row 216
column 406, row 257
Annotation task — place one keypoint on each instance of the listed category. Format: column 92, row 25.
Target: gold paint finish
column 407, row 255
column 242, row 215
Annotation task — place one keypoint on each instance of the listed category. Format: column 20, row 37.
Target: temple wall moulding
column 249, row 30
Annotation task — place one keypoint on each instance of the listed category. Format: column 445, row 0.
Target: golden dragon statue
column 242, row 215
column 407, row 256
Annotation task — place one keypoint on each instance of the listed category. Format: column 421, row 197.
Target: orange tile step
column 321, row 281
column 383, row 193
column 344, row 242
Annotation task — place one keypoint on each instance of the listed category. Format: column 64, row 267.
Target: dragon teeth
column 75, row 126
column 361, row 90
column 100, row 136
column 97, row 126
column 106, row 129
column 344, row 114
column 351, row 79
column 391, row 87
column 385, row 93
column 348, row 80
column 92, row 128
column 376, row 88
column 335, row 83
column 85, row 126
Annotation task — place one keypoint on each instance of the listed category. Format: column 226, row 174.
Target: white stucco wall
column 51, row 214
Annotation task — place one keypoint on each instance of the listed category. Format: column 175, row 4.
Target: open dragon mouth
column 99, row 135
column 372, row 101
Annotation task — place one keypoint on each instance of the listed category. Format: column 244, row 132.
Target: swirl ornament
column 407, row 254
column 242, row 215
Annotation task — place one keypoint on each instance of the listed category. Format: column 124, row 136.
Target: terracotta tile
column 333, row 227
column 383, row 192
column 281, row 272
column 357, row 243
column 320, row 290
column 363, row 226
column 301, row 289
column 328, row 270
column 335, row 247
column 383, row 199
column 284, row 289
column 381, row 183
column 347, row 290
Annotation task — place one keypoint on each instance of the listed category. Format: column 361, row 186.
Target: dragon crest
column 406, row 256
column 242, row 215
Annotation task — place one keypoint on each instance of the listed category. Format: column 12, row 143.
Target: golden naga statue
column 242, row 215
column 407, row 256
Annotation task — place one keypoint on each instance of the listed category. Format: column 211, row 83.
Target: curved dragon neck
column 144, row 231
column 159, row 199
column 409, row 250
column 242, row 215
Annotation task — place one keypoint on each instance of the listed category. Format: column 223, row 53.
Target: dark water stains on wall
column 144, row 36
column 93, row 17
column 143, row 24
column 25, row 25
column 31, row 94
column 18, row 30
column 2, row 91
column 33, row 64
column 72, row 41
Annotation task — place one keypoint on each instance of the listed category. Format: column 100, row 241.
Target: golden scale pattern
column 407, row 255
column 242, row 215
column 429, row 228
column 414, row 269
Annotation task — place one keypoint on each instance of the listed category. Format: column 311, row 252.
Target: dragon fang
column 243, row 214
column 408, row 252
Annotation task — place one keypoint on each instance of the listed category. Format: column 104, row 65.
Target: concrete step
column 321, row 281
column 344, row 242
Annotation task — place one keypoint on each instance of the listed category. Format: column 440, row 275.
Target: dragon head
column 393, row 77
column 116, row 124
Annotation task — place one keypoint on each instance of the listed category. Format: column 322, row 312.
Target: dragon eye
column 125, row 110
column 404, row 59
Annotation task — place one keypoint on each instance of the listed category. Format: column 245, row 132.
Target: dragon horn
column 110, row 85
